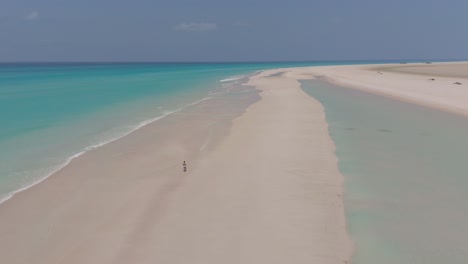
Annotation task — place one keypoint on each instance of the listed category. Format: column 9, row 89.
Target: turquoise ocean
column 406, row 176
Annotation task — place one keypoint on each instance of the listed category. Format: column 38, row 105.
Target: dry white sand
column 433, row 85
column 268, row 192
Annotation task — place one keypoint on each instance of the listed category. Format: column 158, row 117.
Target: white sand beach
column 265, row 188
column 436, row 85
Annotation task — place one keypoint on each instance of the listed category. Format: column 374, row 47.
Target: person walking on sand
column 185, row 166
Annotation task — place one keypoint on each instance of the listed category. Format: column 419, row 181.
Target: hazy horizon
column 229, row 62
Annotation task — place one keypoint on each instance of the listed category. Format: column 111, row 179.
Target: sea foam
column 54, row 169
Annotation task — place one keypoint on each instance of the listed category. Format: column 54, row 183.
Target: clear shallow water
column 406, row 173
column 50, row 113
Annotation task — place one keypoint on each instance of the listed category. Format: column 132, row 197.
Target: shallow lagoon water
column 406, row 176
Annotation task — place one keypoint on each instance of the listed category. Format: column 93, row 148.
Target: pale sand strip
column 409, row 82
column 270, row 192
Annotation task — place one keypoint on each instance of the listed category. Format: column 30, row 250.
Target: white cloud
column 193, row 26
column 32, row 16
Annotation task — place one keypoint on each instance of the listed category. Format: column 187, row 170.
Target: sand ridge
column 269, row 193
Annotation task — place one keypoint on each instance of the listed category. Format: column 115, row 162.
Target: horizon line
column 220, row 62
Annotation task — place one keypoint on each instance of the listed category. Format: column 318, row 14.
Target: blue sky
column 241, row 30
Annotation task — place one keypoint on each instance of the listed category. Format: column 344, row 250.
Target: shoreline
column 75, row 190
column 69, row 159
column 337, row 80
column 75, row 182
column 233, row 80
